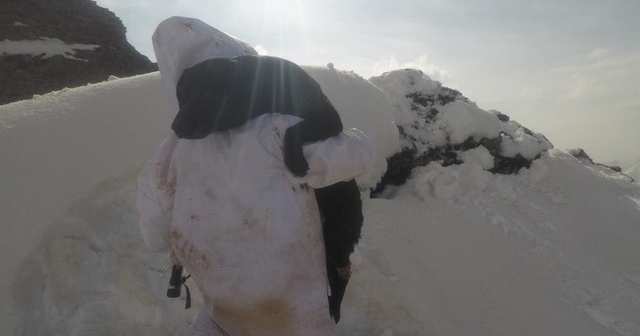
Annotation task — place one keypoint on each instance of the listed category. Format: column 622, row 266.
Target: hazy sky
column 569, row 69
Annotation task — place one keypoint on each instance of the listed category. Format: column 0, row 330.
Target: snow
column 437, row 123
column 480, row 155
column 432, row 116
column 58, row 147
column 398, row 86
column 370, row 112
column 462, row 120
column 45, row 47
column 519, row 142
column 456, row 250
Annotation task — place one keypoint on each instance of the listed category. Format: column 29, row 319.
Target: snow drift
column 454, row 250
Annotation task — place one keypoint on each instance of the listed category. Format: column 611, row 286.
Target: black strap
column 183, row 281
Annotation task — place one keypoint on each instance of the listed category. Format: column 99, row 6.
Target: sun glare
column 284, row 27
column 287, row 12
column 284, row 12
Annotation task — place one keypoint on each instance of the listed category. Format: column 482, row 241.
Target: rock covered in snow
column 47, row 45
column 581, row 155
column 439, row 124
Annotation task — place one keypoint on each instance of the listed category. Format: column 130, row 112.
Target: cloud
column 530, row 92
column 420, row 63
column 604, row 73
column 599, row 54
column 602, row 77
column 260, row 49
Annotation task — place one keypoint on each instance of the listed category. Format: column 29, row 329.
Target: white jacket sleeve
column 154, row 198
column 339, row 158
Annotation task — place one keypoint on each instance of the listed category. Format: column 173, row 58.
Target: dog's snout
column 182, row 127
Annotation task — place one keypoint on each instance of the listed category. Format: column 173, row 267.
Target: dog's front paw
column 293, row 155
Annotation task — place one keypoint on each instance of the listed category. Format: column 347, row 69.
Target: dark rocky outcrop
column 72, row 22
column 583, row 157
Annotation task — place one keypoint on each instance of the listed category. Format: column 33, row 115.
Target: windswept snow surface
column 457, row 251
column 55, row 149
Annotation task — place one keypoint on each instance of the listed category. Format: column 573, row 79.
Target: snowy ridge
column 455, row 250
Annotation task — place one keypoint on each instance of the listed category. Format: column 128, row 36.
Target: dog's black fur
column 220, row 94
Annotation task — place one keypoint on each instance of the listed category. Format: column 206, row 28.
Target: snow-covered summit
column 439, row 124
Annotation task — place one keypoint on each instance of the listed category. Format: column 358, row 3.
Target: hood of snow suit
column 181, row 42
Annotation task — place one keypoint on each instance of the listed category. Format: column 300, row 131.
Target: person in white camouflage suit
column 247, row 230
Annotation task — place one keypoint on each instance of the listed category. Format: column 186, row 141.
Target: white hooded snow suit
column 247, row 230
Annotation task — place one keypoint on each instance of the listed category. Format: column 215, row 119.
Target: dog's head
column 201, row 92
column 221, row 94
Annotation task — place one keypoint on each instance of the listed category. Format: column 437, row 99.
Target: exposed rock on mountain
column 47, row 45
column 438, row 124
column 583, row 157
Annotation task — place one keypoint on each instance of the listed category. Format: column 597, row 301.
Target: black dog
column 221, row 94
